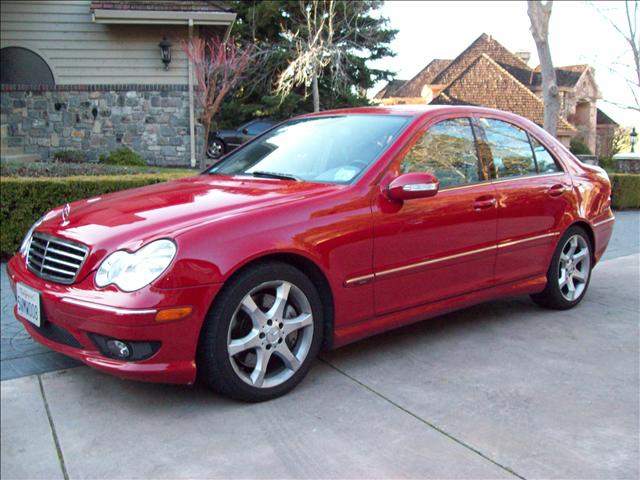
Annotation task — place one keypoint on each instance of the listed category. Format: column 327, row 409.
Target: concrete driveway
column 503, row 389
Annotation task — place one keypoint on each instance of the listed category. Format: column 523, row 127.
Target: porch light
column 633, row 136
column 165, row 52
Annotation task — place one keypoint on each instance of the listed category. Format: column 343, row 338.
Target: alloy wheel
column 215, row 149
column 270, row 334
column 574, row 267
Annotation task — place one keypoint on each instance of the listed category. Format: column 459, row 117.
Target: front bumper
column 71, row 313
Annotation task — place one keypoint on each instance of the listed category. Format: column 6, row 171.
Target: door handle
column 482, row 203
column 556, row 190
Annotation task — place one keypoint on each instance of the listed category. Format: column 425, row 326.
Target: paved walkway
column 504, row 389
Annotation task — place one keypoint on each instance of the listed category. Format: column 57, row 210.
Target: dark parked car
column 223, row 141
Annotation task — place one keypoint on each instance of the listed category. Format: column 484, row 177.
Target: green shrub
column 608, row 163
column 123, row 156
column 51, row 169
column 70, row 156
column 24, row 200
column 578, row 147
column 625, row 190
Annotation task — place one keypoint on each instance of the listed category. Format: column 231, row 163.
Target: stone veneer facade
column 152, row 120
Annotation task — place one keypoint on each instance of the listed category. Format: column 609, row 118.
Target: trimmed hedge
column 59, row 169
column 24, row 200
column 625, row 190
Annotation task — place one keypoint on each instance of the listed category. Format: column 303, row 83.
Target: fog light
column 118, row 349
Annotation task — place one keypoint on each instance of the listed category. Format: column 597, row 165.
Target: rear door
column 430, row 249
column 533, row 194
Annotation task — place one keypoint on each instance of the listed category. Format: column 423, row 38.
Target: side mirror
column 245, row 131
column 413, row 185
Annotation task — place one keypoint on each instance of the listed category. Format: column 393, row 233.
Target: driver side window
column 448, row 151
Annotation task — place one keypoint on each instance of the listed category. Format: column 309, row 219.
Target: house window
column 20, row 66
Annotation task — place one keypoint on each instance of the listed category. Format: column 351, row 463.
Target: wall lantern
column 165, row 52
column 633, row 136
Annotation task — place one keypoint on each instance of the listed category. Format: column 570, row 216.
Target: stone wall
column 152, row 120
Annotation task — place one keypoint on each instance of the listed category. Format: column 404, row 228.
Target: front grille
column 54, row 258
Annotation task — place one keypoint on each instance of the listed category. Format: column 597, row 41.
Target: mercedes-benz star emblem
column 65, row 213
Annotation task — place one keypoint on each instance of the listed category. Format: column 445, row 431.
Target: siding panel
column 83, row 52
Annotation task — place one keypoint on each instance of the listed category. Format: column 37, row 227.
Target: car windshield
column 331, row 149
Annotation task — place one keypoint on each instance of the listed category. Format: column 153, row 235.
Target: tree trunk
column 539, row 14
column 203, row 159
column 315, row 92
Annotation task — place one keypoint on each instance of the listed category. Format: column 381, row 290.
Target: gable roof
column 566, row 76
column 485, row 83
column 390, row 89
column 484, row 44
column 413, row 87
column 604, row 119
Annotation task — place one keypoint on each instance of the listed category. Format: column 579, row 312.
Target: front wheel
column 263, row 333
column 569, row 273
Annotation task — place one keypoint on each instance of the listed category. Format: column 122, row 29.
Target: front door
column 434, row 248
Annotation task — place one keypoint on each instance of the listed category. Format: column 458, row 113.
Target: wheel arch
column 586, row 226
column 315, row 274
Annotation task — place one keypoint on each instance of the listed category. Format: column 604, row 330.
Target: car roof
column 413, row 110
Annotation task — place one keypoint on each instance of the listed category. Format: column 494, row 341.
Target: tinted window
column 545, row 161
column 332, row 149
column 448, row 151
column 510, row 148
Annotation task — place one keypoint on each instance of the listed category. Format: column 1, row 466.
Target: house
column 92, row 76
column 488, row 74
column 606, row 129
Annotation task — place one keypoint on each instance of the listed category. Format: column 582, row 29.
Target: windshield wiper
column 280, row 176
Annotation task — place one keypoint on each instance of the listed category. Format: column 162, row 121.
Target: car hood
column 129, row 218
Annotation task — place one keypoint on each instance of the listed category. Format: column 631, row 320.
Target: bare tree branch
column 217, row 67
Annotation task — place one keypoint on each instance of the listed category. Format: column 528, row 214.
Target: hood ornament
column 66, row 211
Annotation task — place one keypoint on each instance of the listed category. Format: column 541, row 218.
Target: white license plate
column 28, row 301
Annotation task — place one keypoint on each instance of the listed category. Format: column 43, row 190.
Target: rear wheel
column 216, row 148
column 262, row 335
column 569, row 273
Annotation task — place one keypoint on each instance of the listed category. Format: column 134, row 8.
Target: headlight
column 26, row 241
column 132, row 271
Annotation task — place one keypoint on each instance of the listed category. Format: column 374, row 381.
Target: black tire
column 552, row 296
column 215, row 368
column 216, row 148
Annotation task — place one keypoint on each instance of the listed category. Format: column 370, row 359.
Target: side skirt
column 367, row 328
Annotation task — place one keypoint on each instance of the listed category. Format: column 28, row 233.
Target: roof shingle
column 484, row 44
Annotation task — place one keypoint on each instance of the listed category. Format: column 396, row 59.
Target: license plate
column 28, row 301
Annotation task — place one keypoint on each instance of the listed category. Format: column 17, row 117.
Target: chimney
column 523, row 55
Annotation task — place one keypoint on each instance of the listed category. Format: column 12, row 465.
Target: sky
column 578, row 33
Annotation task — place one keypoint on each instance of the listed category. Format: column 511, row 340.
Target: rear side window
column 510, row 149
column 545, row 161
column 448, row 151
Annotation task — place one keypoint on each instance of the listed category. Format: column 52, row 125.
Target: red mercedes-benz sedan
column 323, row 230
